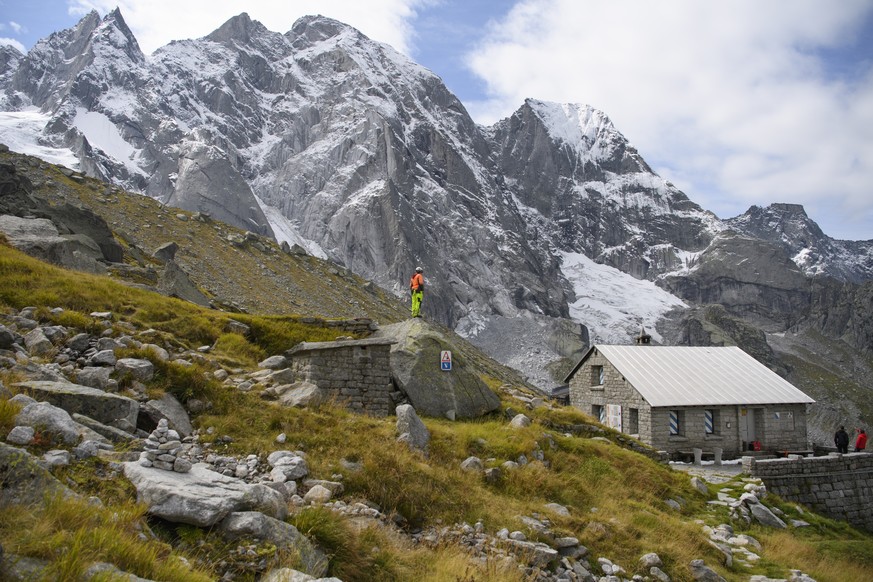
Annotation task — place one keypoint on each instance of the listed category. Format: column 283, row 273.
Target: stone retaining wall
column 839, row 486
column 354, row 373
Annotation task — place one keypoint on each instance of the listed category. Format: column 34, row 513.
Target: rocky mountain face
column 368, row 157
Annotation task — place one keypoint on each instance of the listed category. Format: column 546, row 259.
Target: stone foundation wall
column 838, row 486
column 355, row 373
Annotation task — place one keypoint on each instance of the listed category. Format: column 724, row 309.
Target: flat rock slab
column 200, row 497
column 102, row 406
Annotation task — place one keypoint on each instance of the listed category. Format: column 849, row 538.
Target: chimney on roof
column 643, row 339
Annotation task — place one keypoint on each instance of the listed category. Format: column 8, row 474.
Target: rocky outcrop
column 253, row 524
column 207, row 182
column 818, row 255
column 201, row 496
column 102, row 406
column 174, row 282
column 55, row 424
column 415, row 367
column 39, row 238
column 750, row 278
column 25, row 480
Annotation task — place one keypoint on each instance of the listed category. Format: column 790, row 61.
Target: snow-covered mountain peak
column 573, row 123
column 585, row 130
column 788, row 226
column 315, row 28
column 240, row 29
column 114, row 32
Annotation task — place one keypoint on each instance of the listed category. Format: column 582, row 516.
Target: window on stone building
column 597, row 375
column 599, row 412
column 711, row 421
column 633, row 421
column 677, row 422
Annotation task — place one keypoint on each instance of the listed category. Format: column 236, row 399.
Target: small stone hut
column 354, row 373
column 677, row 398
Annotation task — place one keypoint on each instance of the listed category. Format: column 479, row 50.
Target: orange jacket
column 417, row 282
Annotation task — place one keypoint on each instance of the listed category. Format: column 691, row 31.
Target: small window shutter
column 707, row 422
column 674, row 422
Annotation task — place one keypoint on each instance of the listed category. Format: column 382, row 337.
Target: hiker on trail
column 416, row 286
column 841, row 439
column 861, row 442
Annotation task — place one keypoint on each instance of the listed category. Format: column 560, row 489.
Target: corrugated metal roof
column 696, row 376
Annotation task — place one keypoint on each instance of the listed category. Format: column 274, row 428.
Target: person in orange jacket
column 416, row 287
column 861, row 442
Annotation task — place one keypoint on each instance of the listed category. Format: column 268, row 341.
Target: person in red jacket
column 416, row 286
column 861, row 441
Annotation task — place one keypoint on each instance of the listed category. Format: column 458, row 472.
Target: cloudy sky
column 737, row 103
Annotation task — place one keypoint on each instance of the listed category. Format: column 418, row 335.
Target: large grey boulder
column 410, row 428
column 415, row 366
column 703, row 573
column 101, row 406
column 81, row 221
column 764, row 516
column 253, row 524
column 39, row 238
column 274, row 363
column 112, row 433
column 166, row 252
column 136, row 368
column 99, row 377
column 174, row 282
column 167, row 406
column 25, row 481
column 56, row 422
column 7, row 338
column 287, row 466
column 200, row 497
column 299, row 394
column 37, row 343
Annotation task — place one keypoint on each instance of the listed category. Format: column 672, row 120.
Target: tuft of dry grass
column 71, row 535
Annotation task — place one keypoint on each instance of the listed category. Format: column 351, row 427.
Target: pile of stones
column 162, row 449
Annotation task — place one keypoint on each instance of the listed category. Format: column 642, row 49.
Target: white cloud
column 13, row 42
column 17, row 27
column 157, row 22
column 728, row 100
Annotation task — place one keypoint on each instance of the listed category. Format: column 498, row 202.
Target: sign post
column 446, row 360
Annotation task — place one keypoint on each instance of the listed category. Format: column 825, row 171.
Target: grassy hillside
column 616, row 497
column 249, row 275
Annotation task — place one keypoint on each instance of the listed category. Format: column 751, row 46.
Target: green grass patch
column 8, row 412
column 234, row 350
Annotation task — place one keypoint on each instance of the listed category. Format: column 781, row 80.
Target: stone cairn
column 162, row 450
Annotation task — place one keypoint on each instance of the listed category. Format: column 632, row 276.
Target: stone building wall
column 586, row 394
column 838, row 486
column 725, row 435
column 354, row 373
